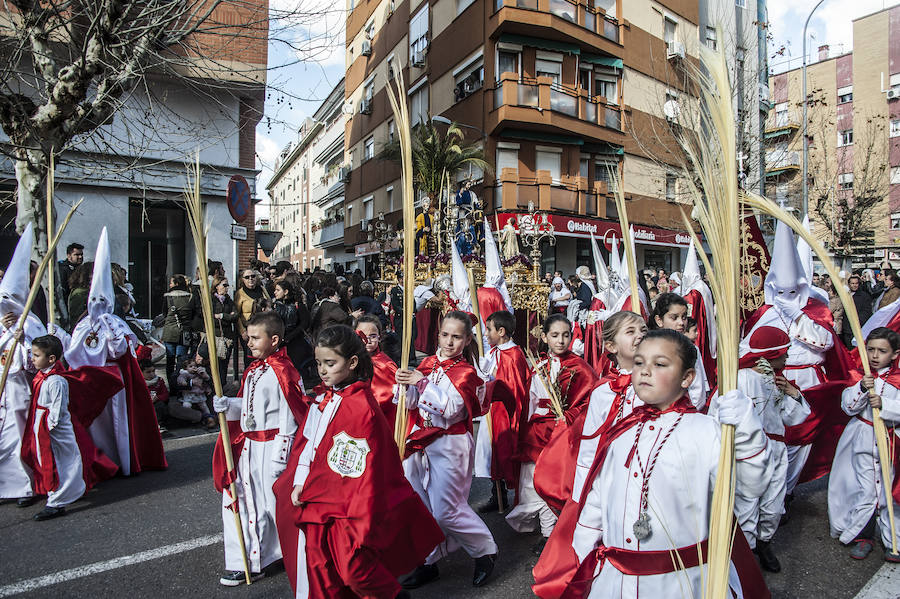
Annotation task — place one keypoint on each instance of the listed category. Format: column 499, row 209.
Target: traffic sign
column 238, row 232
column 238, row 198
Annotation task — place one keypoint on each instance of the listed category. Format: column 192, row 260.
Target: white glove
column 733, row 407
column 220, row 404
column 594, row 316
column 51, row 329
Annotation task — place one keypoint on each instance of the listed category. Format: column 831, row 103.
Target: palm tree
column 437, row 157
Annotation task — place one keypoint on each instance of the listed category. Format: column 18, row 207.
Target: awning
column 776, row 172
column 542, row 44
column 539, row 136
column 603, row 148
column 777, row 132
column 606, row 61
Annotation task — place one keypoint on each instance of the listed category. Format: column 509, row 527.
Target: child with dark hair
column 857, row 497
column 444, row 394
column 671, row 312
column 384, row 370
column 159, row 393
column 572, row 381
column 196, row 386
column 646, row 502
column 262, row 422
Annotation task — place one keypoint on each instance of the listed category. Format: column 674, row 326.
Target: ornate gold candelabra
column 534, row 228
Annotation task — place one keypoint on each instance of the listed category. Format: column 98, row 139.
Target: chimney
column 823, row 52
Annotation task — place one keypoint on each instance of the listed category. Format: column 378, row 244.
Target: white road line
column 883, row 585
column 98, row 567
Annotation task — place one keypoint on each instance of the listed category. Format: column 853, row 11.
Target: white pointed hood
column 16, row 281
column 626, row 269
column 602, row 274
column 786, row 287
column 460, row 281
column 615, row 264
column 806, row 259
column 102, row 298
column 692, row 281
column 493, row 269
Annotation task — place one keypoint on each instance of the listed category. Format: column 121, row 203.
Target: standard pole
column 805, row 106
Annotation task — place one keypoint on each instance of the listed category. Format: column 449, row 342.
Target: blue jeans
column 175, row 355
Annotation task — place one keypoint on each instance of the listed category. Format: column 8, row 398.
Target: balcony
column 541, row 104
column 330, row 235
column 330, row 186
column 783, row 123
column 563, row 20
column 780, row 161
column 570, row 194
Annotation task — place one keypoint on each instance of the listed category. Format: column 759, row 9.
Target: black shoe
column 484, row 565
column 538, row 548
column 403, row 595
column 26, row 501
column 766, row 556
column 234, row 578
column 421, row 576
column 48, row 513
column 493, row 504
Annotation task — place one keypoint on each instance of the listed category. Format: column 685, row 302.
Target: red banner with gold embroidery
column 755, row 261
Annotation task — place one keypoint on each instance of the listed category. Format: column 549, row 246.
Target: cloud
column 313, row 29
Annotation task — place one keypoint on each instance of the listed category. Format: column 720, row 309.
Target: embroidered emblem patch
column 690, row 311
column 4, row 357
column 92, row 340
column 347, row 456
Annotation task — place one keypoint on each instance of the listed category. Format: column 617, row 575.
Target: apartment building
column 557, row 91
column 853, row 128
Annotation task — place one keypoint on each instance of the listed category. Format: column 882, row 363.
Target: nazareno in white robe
column 15, row 480
column 259, row 464
column 759, row 516
column 680, row 496
column 54, row 395
column 855, row 487
column 110, row 430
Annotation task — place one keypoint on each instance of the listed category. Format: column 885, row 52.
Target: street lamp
column 805, row 105
column 445, row 121
column 380, row 232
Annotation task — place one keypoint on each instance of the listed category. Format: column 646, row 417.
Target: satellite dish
column 348, row 107
column 671, row 109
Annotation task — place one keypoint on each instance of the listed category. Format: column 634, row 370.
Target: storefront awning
column 603, row 148
column 541, row 44
column 606, row 61
column 569, row 140
column 776, row 172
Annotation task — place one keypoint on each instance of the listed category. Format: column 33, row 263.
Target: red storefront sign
column 605, row 230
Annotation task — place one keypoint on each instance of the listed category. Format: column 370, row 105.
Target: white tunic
column 54, row 396
column 442, row 473
column 15, row 481
column 100, row 345
column 258, row 466
column 855, row 487
column 679, row 498
column 759, row 516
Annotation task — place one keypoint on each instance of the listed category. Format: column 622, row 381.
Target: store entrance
column 156, row 244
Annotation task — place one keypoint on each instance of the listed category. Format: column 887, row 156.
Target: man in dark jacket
column 366, row 302
column 863, row 302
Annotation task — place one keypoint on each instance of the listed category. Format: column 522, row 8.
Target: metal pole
column 805, row 106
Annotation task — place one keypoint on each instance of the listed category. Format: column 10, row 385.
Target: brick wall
column 249, row 113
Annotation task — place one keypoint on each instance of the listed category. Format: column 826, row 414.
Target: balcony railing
column 330, row 233
column 542, row 93
column 592, row 19
column 567, row 194
column 778, row 159
column 782, row 123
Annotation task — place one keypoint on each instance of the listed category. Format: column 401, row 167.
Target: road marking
column 883, row 585
column 98, row 567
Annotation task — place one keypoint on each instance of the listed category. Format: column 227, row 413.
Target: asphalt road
column 156, row 510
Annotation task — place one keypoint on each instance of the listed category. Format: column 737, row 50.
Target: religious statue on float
column 425, row 227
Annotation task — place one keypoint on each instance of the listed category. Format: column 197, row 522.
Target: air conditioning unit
column 344, row 174
column 674, row 50
column 893, row 93
column 672, row 110
column 366, row 48
column 365, row 106
column 418, row 58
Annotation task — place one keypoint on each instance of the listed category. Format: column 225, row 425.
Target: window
column 711, row 38
column 607, row 86
column 895, row 220
column 670, row 27
column 845, row 181
column 350, row 215
column 781, row 192
column 303, row 242
column 390, row 199
column 369, row 150
column 462, row 5
column 549, row 65
column 895, row 175
column 368, row 209
column 418, row 32
column 468, row 79
column 391, row 130
column 845, row 94
column 549, row 159
column 369, row 90
column 845, row 137
column 507, row 157
column 895, row 128
column 602, row 170
column 507, row 62
column 740, row 3
column 418, row 105
column 670, row 187
column 781, row 114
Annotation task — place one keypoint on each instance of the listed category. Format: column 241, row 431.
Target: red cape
column 289, row 381
column 697, row 311
column 593, row 340
column 382, row 384
column 508, row 395
column 86, row 385
column 377, row 511
column 146, row 443
column 489, row 301
column 428, row 322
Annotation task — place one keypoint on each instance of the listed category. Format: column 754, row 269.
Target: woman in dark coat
column 225, row 314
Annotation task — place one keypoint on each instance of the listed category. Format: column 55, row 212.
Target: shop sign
column 605, row 230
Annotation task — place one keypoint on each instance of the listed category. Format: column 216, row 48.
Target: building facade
column 853, row 127
column 558, row 95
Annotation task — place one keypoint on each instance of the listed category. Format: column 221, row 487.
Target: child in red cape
column 383, row 368
column 348, row 520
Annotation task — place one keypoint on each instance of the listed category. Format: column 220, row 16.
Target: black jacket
column 369, row 305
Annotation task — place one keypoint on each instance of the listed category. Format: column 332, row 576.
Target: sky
column 302, row 75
